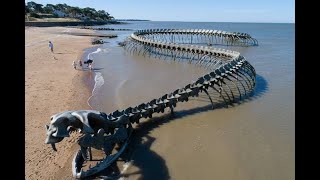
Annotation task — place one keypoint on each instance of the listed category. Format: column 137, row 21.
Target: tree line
column 33, row 9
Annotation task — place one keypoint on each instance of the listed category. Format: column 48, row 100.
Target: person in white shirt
column 90, row 66
column 74, row 65
column 51, row 46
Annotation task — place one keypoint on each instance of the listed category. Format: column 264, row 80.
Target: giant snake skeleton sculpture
column 231, row 76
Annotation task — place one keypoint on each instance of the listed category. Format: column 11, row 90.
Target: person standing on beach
column 51, row 46
column 90, row 66
column 80, row 63
column 74, row 65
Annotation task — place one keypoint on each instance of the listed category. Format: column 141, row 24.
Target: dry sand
column 51, row 86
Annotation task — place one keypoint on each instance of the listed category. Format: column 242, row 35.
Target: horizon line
column 200, row 21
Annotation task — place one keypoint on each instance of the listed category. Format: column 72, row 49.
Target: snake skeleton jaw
column 231, row 77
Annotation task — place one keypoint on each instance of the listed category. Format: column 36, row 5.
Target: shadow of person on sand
column 149, row 163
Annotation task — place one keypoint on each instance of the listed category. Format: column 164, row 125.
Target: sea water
column 253, row 140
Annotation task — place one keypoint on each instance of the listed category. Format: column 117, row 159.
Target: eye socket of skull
column 61, row 126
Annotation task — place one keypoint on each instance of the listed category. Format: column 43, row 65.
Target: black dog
column 88, row 62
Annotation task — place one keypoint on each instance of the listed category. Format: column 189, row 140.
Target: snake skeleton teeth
column 231, row 77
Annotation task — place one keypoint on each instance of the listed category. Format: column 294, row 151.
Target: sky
column 267, row 11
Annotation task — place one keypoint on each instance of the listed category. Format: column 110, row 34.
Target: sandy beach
column 51, row 86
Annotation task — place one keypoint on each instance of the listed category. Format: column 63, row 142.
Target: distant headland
column 65, row 15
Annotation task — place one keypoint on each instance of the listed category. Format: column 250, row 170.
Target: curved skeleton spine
column 228, row 72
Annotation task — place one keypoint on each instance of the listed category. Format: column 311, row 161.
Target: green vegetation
column 35, row 10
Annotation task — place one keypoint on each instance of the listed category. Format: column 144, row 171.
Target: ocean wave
column 99, row 81
column 103, row 50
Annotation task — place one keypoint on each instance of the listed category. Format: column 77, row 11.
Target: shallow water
column 253, row 140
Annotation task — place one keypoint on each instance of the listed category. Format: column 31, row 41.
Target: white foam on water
column 125, row 167
column 99, row 81
column 99, row 50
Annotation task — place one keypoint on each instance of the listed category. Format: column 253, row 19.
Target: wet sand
column 51, row 86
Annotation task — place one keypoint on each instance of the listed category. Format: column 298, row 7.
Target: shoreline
column 52, row 86
column 87, row 79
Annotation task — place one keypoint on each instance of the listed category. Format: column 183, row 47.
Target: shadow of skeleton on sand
column 150, row 164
